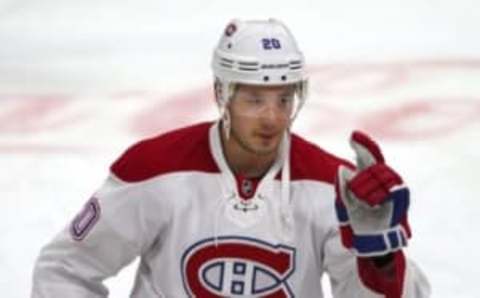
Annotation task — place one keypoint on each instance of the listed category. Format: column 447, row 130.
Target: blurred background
column 82, row 80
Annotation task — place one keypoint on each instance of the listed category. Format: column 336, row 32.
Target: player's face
column 260, row 115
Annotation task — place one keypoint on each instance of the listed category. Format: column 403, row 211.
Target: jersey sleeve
column 115, row 226
column 354, row 277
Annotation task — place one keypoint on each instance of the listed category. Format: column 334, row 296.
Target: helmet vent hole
column 284, row 78
column 266, row 78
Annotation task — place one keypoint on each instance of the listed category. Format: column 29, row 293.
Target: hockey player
column 241, row 207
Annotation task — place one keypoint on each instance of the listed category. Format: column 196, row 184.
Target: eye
column 255, row 100
column 285, row 100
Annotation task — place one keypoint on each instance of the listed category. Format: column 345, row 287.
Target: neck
column 242, row 161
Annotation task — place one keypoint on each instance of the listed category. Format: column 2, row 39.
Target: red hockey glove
column 371, row 203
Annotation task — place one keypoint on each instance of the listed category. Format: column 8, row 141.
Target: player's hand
column 372, row 202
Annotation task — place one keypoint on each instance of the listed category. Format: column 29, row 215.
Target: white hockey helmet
column 258, row 52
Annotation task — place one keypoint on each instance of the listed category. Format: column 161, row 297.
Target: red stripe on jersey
column 185, row 149
column 310, row 162
column 188, row 149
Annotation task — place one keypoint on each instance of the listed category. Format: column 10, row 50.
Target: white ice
column 81, row 80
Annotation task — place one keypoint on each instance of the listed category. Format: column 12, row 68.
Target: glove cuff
column 382, row 243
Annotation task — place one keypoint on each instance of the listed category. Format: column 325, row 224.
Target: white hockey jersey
column 173, row 201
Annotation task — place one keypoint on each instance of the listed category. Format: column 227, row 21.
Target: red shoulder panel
column 310, row 162
column 185, row 149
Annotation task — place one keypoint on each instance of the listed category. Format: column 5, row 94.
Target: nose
column 273, row 112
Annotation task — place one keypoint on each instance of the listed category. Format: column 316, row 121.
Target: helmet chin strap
column 226, row 123
column 224, row 91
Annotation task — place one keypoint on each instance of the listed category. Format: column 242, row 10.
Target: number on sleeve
column 85, row 220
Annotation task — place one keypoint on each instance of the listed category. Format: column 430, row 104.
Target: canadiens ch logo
column 237, row 267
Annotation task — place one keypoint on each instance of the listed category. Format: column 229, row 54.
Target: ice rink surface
column 81, row 80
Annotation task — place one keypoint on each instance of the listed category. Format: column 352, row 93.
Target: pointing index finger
column 367, row 151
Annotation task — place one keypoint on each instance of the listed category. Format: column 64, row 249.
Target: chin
column 269, row 149
column 265, row 151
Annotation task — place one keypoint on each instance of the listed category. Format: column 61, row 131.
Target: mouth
column 267, row 136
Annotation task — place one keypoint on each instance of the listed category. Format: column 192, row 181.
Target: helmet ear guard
column 257, row 53
column 224, row 91
column 302, row 94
